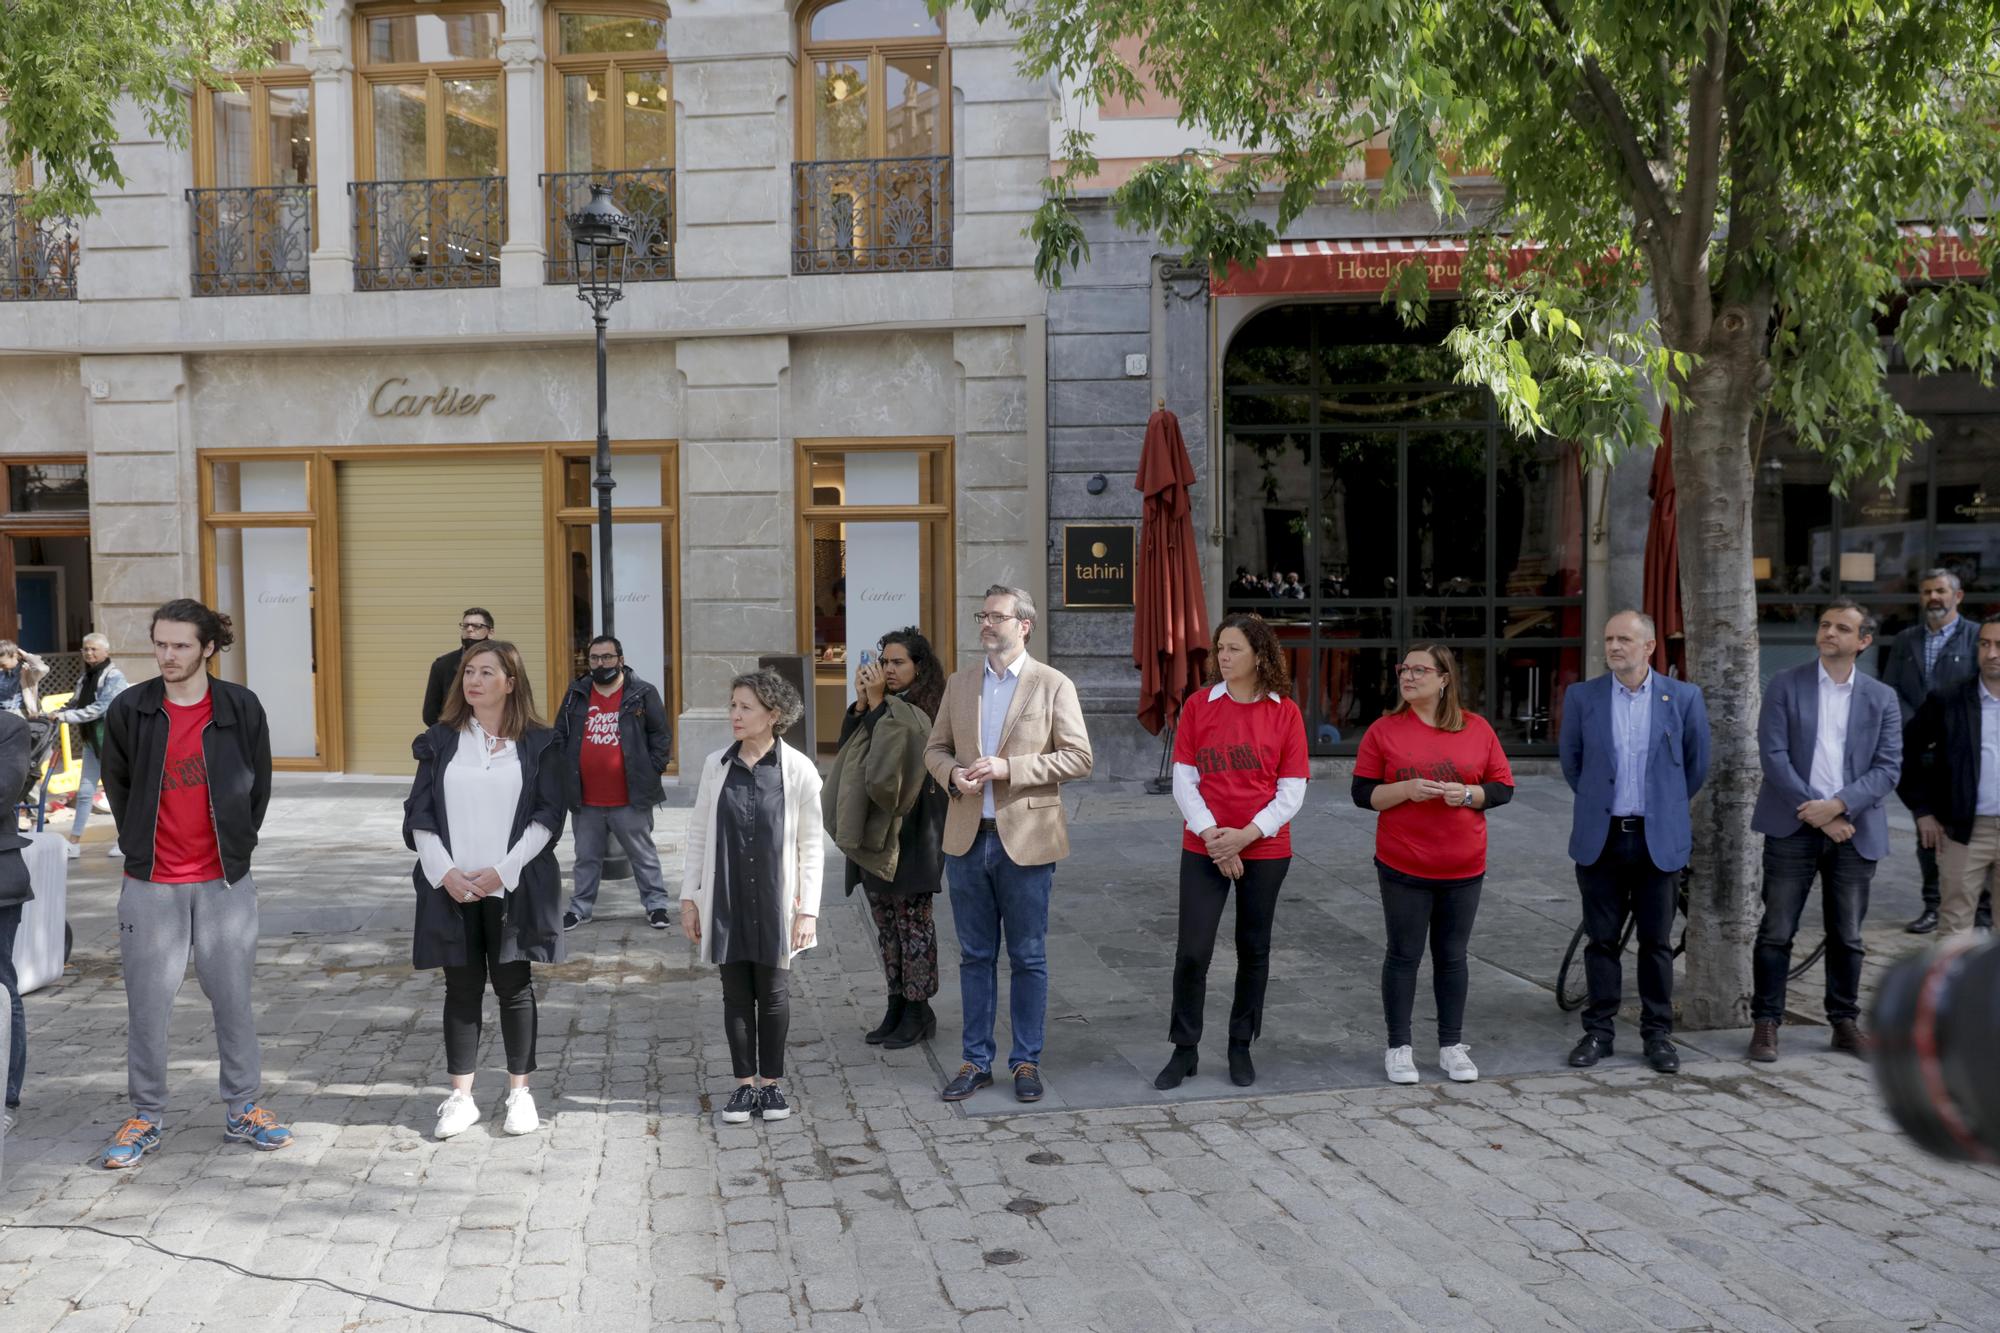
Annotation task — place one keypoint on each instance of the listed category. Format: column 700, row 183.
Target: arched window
column 874, row 190
column 611, row 119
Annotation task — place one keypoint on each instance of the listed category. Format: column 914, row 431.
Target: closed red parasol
column 1170, row 627
column 1663, row 560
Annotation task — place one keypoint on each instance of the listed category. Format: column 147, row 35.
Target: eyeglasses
column 1416, row 672
column 990, row 617
column 470, row 625
column 603, row 659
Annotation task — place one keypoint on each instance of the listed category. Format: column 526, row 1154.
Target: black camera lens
column 1935, row 1019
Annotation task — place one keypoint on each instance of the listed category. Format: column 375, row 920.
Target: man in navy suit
column 1933, row 655
column 1635, row 751
column 1831, row 739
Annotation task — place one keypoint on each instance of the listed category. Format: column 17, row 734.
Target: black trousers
column 1440, row 911
column 1624, row 881
column 756, row 1015
column 465, row 993
column 1790, row 866
column 1204, row 890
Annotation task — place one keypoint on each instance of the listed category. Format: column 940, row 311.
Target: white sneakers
column 73, row 850
column 1401, row 1064
column 1456, row 1061
column 458, row 1114
column 521, row 1117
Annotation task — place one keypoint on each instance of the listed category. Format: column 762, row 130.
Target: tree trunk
column 1713, row 489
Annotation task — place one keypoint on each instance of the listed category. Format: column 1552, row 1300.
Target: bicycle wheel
column 1572, row 989
column 1799, row 969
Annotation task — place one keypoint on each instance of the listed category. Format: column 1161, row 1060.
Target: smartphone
column 867, row 657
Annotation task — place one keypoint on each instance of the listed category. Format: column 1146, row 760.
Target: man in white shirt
column 1951, row 782
column 1831, row 740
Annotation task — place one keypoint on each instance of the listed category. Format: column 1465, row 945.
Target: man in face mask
column 475, row 625
column 612, row 734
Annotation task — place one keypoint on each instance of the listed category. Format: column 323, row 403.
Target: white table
column 38, row 946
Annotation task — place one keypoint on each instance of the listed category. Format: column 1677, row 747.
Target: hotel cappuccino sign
column 393, row 398
column 1097, row 566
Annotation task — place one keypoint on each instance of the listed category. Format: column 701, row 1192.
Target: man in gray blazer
column 1934, row 654
column 1831, row 739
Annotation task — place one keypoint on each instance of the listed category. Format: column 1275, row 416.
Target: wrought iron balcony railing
column 417, row 234
column 37, row 257
column 251, row 241
column 871, row 216
column 646, row 196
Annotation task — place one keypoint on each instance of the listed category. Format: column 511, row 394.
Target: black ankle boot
column 1241, row 1072
column 889, row 1020
column 918, row 1024
column 1179, row 1065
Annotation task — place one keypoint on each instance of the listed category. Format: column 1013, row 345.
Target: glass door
column 261, row 567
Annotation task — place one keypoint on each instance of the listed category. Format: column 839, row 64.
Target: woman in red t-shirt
column 1239, row 777
column 1432, row 770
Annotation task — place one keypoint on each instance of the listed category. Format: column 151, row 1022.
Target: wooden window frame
column 258, row 84
column 614, row 65
column 873, row 54
column 74, row 523
column 367, row 75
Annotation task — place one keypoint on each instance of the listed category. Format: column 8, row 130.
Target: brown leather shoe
column 1847, row 1037
column 1764, row 1042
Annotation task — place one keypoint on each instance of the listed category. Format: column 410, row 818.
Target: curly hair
column 210, row 627
column 1274, row 675
column 775, row 695
column 926, row 691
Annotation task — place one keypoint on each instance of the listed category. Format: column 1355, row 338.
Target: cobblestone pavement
column 1731, row 1197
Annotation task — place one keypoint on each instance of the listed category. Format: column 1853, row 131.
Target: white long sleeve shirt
column 482, row 788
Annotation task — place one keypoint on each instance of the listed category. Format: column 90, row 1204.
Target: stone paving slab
column 1733, row 1196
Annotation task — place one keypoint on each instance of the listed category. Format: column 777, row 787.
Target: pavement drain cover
column 1026, row 1207
column 1002, row 1256
column 1044, row 1159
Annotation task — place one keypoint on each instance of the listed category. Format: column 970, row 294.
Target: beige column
column 1000, row 465
column 527, row 110
column 144, row 520
column 332, row 264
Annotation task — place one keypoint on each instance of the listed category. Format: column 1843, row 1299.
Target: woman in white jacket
column 750, row 887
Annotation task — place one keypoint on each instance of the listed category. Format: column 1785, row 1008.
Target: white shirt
column 996, row 694
column 1285, row 804
column 1829, row 764
column 1989, row 754
column 482, row 787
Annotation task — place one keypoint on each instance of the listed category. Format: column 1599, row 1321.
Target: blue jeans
column 989, row 893
column 1790, row 866
column 17, row 1046
column 86, row 790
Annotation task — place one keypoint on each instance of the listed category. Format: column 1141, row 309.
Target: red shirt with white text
column 184, row 846
column 601, row 761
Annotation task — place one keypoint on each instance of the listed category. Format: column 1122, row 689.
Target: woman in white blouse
column 483, row 817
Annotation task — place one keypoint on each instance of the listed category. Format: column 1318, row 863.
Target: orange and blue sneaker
column 258, row 1128
column 134, row 1139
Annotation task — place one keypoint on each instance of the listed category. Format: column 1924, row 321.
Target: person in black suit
column 15, row 892
column 475, row 625
column 1933, row 654
column 1951, row 781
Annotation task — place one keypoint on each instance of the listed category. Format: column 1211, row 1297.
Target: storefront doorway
column 1372, row 502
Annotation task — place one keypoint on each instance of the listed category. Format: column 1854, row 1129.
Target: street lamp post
column 600, row 236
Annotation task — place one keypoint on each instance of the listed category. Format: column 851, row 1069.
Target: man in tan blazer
column 1008, row 735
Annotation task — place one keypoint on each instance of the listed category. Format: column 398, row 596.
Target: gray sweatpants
column 633, row 825
column 158, row 925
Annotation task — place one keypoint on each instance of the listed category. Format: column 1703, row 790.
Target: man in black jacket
column 612, row 730
column 1951, row 782
column 15, row 891
column 474, row 624
column 187, row 765
column 1935, row 652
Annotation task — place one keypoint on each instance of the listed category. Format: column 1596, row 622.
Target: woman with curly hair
column 887, row 815
column 750, row 885
column 1239, row 778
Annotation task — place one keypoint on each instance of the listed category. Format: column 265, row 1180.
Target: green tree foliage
column 65, row 65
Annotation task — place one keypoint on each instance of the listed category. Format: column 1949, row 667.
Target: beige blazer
column 804, row 854
column 1045, row 745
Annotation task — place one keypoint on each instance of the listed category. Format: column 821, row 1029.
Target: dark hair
column 517, row 714
column 1450, row 713
column 483, row 614
column 210, row 627
column 926, row 690
column 1274, row 675
column 1993, row 619
column 1869, row 624
column 611, row 639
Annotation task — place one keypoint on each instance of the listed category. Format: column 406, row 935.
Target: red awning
column 1362, row 267
column 1948, row 256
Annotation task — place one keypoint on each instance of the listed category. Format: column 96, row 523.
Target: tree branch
column 1707, row 93
column 1650, row 199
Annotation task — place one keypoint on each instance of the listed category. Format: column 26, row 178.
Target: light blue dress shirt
column 996, row 693
column 1989, row 754
column 1631, row 719
column 1934, row 645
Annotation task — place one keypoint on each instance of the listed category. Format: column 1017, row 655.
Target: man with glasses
column 611, row 731
column 1008, row 734
column 475, row 625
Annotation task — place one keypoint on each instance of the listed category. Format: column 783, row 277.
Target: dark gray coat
column 645, row 741
column 14, row 743
column 1903, row 672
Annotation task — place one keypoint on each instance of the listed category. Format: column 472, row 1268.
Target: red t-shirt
column 602, row 759
column 184, row 849
column 1429, row 839
column 1240, row 751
